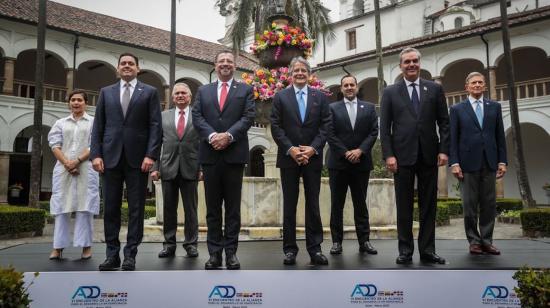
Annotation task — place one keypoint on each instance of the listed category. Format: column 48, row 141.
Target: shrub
column 533, row 288
column 455, row 208
column 508, row 204
column 150, row 211
column 535, row 222
column 12, row 290
column 17, row 219
column 442, row 214
column 150, row 202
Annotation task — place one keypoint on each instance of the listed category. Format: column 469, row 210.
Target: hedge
column 535, row 222
column 150, row 211
column 508, row 204
column 442, row 214
column 18, row 219
column 455, row 208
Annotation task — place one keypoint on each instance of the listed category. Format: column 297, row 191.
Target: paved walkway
column 153, row 233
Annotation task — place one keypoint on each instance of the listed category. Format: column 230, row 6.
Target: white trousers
column 83, row 230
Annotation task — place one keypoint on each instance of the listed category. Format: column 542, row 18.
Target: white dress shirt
column 132, row 83
column 410, row 89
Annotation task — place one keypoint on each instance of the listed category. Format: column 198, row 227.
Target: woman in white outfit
column 75, row 184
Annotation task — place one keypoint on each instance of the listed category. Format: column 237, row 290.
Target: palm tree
column 36, row 153
column 310, row 15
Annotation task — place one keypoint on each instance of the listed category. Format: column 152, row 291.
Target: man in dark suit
column 222, row 114
column 179, row 171
column 351, row 136
column 299, row 121
column 125, row 143
column 410, row 110
column 477, row 158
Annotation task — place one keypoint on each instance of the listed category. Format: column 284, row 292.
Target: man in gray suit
column 179, row 170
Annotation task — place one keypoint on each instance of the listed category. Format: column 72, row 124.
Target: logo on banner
column 228, row 295
column 370, row 294
column 500, row 295
column 93, row 295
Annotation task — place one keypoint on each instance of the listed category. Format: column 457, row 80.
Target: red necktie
column 181, row 124
column 223, row 95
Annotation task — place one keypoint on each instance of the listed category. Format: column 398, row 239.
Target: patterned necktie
column 301, row 105
column 223, row 95
column 125, row 102
column 181, row 124
column 352, row 114
column 414, row 98
column 479, row 113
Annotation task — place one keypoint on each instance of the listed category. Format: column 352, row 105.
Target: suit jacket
column 342, row 137
column 139, row 133
column 236, row 118
column 469, row 141
column 403, row 131
column 178, row 156
column 288, row 130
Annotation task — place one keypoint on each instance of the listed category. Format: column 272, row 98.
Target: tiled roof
column 102, row 27
column 490, row 25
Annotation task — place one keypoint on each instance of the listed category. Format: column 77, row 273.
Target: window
column 352, row 39
column 458, row 22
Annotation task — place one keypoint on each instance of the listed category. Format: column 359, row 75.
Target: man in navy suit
column 351, row 136
column 125, row 143
column 222, row 114
column 477, row 158
column 412, row 110
column 299, row 121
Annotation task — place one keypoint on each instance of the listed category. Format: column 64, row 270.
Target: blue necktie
column 479, row 113
column 301, row 104
column 414, row 98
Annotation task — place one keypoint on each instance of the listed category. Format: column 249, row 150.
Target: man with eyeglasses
column 412, row 111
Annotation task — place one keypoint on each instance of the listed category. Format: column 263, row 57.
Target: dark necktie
column 181, row 124
column 414, row 98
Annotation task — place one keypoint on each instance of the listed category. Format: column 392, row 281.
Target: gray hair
column 407, row 50
column 474, row 74
column 183, row 84
column 299, row 60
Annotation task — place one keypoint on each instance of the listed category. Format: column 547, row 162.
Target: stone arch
column 455, row 75
column 4, row 134
column 154, row 79
column 256, row 165
column 368, row 90
column 55, row 78
column 22, row 121
column 93, row 75
column 425, row 74
column 193, row 84
column 336, row 93
column 86, row 55
column 62, row 54
column 525, row 41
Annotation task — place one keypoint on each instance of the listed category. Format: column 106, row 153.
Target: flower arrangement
column 268, row 82
column 282, row 36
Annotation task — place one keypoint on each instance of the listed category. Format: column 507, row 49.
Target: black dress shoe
column 110, row 264
column 290, row 258
column 192, row 251
column 432, row 258
column 167, row 253
column 232, row 262
column 319, row 259
column 129, row 264
column 404, row 259
column 336, row 249
column 215, row 261
column 368, row 248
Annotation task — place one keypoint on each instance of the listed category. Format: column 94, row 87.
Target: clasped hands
column 301, row 154
column 353, row 156
column 71, row 165
column 220, row 141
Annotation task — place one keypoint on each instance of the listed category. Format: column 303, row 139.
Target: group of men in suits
column 209, row 141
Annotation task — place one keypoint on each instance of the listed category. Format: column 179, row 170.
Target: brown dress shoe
column 475, row 249
column 490, row 249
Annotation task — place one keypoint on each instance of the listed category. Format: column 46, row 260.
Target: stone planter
column 267, row 56
column 263, row 112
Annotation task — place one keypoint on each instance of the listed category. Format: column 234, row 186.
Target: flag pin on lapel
column 425, row 89
column 361, row 106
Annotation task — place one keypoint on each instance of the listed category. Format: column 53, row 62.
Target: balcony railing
column 524, row 89
column 27, row 89
column 92, row 96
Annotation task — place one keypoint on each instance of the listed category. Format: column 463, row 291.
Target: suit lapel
column 343, row 110
column 486, row 109
column 135, row 96
column 188, row 125
column 311, row 100
column 360, row 114
column 116, row 98
column 213, row 91
column 404, row 93
column 423, row 91
column 291, row 95
column 231, row 92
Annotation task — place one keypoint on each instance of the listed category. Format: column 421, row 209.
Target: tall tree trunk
column 172, row 51
column 36, row 154
column 523, row 181
column 379, row 63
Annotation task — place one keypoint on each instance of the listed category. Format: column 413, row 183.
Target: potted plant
column 13, row 292
column 15, row 190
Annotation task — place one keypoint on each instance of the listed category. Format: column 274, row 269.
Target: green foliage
column 379, row 171
column 533, row 288
column 12, row 290
column 455, row 208
column 150, row 202
column 18, row 219
column 150, row 211
column 511, row 214
column 442, row 217
column 509, row 204
column 535, row 222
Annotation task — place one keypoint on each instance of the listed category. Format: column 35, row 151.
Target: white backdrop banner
column 300, row 289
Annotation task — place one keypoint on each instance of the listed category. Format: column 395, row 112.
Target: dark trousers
column 222, row 185
column 136, row 186
column 478, row 194
column 290, row 180
column 358, row 182
column 427, row 199
column 189, row 197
